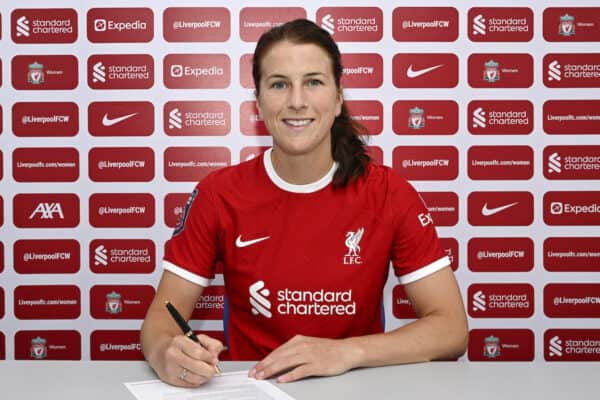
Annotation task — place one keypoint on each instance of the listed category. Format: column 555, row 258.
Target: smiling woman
column 320, row 225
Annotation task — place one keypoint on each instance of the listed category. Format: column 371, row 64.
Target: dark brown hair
column 347, row 146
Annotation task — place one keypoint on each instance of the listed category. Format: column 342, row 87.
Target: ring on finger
column 183, row 374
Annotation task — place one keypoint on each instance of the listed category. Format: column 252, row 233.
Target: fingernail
column 252, row 372
column 260, row 375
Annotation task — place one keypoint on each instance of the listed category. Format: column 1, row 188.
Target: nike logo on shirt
column 112, row 121
column 411, row 73
column 245, row 243
column 491, row 211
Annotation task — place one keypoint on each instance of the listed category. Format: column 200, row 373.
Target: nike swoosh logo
column 491, row 211
column 245, row 243
column 411, row 73
column 112, row 121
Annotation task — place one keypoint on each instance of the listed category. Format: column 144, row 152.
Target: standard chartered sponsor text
column 32, row 256
column 47, row 164
column 210, row 302
column 108, row 210
column 51, row 26
column 47, row 302
column 587, row 300
column 204, row 118
column 483, row 254
column 196, row 164
column 120, row 347
column 582, row 71
column 508, row 301
column 582, row 346
column 126, row 72
column 357, row 25
column 507, row 25
column 46, row 119
column 579, row 163
column 507, row 118
column 131, row 255
column 319, row 302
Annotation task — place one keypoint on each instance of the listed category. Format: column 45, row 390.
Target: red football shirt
column 302, row 259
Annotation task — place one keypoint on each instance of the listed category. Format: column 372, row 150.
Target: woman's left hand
column 304, row 356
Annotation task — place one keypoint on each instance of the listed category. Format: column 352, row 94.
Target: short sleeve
column 192, row 250
column 416, row 251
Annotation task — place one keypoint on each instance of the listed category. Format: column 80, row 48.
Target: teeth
column 297, row 122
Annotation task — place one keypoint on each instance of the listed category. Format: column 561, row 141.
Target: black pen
column 187, row 331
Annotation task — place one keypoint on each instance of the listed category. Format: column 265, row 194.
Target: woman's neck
column 301, row 169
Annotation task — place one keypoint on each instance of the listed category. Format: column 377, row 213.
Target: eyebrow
column 280, row 76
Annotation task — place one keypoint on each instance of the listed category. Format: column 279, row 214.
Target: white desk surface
column 103, row 380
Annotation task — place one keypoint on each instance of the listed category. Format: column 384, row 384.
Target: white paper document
column 227, row 386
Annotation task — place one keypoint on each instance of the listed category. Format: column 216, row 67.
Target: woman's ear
column 257, row 104
column 339, row 102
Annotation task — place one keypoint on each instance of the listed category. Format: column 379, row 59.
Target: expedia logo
column 572, row 208
column 120, row 25
column 201, row 71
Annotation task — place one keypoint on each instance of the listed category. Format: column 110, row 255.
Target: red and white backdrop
column 110, row 115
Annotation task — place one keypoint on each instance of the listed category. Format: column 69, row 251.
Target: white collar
column 290, row 187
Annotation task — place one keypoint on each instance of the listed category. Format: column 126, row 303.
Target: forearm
column 155, row 337
column 431, row 337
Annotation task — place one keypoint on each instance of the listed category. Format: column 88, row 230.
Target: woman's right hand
column 187, row 363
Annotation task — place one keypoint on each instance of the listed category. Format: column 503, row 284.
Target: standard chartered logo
column 101, row 256
column 300, row 302
column 23, row 26
column 175, row 119
column 479, row 27
column 554, row 163
column 479, row 119
column 258, row 299
column 479, row 301
column 327, row 23
column 99, row 72
column 554, row 71
column 555, row 347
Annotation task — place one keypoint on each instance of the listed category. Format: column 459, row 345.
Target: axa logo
column 259, row 299
column 47, row 211
column 555, row 347
column 479, row 25
column 22, row 26
column 353, row 244
column 328, row 23
column 479, row 301
column 554, row 163
column 101, row 256
column 554, row 71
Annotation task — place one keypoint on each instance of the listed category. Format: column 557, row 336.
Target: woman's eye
column 314, row 82
column 278, row 85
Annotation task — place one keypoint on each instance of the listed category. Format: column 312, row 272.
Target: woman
column 305, row 233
